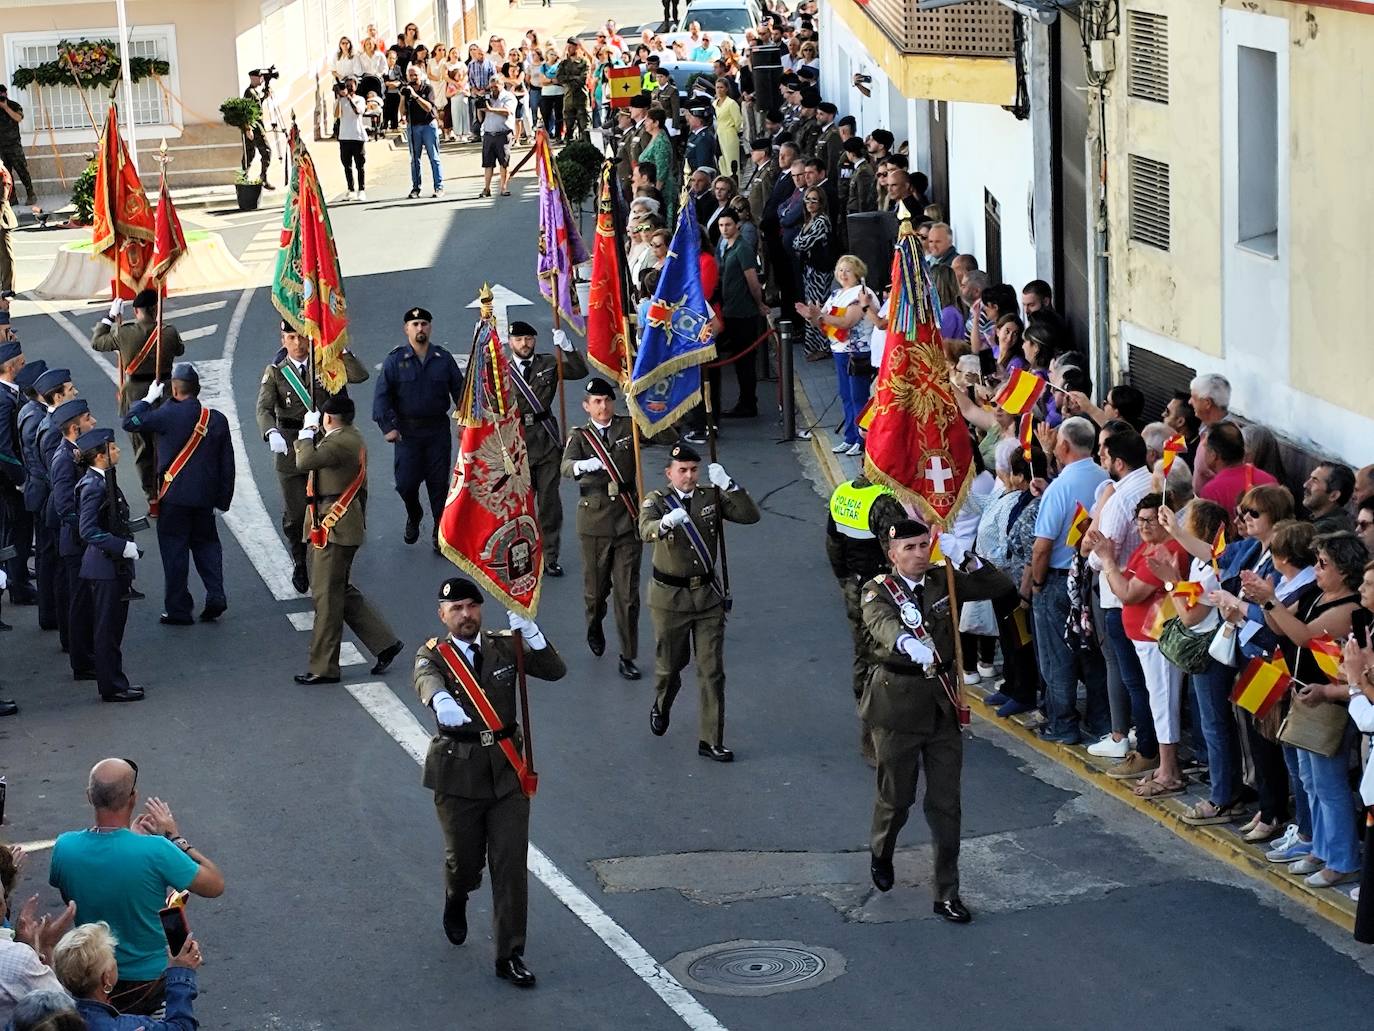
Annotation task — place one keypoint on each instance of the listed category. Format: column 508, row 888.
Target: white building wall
column 842, row 57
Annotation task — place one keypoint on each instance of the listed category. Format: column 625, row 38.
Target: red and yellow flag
column 624, row 84
column 1260, row 685
column 122, row 223
column 865, row 419
column 1218, row 544
column 1020, row 393
column 606, row 345
column 1189, row 590
column 1026, row 433
column 169, row 242
column 839, row 334
column 1327, row 654
column 1078, row 526
column 1173, row 447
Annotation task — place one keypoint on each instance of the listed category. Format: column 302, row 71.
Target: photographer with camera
column 352, row 134
column 255, row 136
column 418, row 97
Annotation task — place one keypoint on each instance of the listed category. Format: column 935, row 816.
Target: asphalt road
column 1087, row 914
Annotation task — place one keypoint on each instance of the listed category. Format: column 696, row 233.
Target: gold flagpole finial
column 487, row 300
column 905, row 220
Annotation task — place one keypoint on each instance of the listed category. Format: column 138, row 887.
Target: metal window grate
column 63, row 107
column 1147, row 45
column 1156, row 377
column 1149, row 201
column 977, row 28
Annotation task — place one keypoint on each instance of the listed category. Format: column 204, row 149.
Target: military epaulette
column 399, row 348
column 499, row 633
column 431, row 642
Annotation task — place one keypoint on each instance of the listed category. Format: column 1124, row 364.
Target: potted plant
column 579, row 168
column 243, row 113
column 249, row 190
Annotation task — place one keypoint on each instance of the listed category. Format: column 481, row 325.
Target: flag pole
column 558, row 357
column 161, row 158
column 626, row 365
column 957, row 675
column 720, row 520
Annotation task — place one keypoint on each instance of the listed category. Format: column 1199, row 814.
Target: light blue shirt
column 1076, row 484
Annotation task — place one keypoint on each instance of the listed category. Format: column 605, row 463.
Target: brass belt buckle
column 613, row 489
column 488, row 738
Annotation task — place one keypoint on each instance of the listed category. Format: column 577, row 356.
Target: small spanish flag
column 1260, row 685
column 1161, row 610
column 1026, row 433
column 1219, row 543
column 1079, row 526
column 1173, row 447
column 1189, row 590
column 625, row 84
column 1328, row 655
column 865, row 419
column 1020, row 393
column 839, row 334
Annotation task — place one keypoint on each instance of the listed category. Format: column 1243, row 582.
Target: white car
column 718, row 18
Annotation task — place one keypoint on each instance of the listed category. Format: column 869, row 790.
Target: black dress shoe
column 596, row 640
column 386, row 657
column 456, row 918
column 553, row 569
column 300, row 579
column 167, row 620
column 129, row 694
column 718, row 753
column 213, row 612
column 4, row 626
column 658, row 722
column 9, row 709
column 135, row 594
column 953, row 910
column 83, row 674
column 740, row 413
column 513, row 969
column 314, row 678
column 628, row 669
column 23, row 596
column 412, row 533
column 883, row 875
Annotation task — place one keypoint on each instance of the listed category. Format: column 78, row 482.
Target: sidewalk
column 818, row 409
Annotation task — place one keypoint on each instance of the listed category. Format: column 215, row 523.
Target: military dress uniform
column 862, row 193
column 627, row 153
column 915, row 723
column 186, row 526
column 685, row 603
column 15, row 530
column 830, row 149
column 806, row 132
column 666, row 98
column 63, row 521
column 281, row 409
column 129, row 339
column 611, row 547
column 40, row 380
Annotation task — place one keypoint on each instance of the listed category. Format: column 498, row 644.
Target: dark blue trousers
column 183, row 534
column 80, row 621
column 426, row 460
column 45, row 566
column 109, row 613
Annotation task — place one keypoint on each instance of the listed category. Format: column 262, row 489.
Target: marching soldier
column 195, row 458
column 687, row 599
column 600, row 457
column 536, row 388
column 335, row 530
column 284, row 396
column 573, row 72
column 107, row 563
column 70, row 419
column 136, row 344
column 411, row 405
column 475, row 764
column 12, row 514
column 910, row 700
column 855, row 543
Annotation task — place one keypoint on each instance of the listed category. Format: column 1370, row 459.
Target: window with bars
column 66, row 107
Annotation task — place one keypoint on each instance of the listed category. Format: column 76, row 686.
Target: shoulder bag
column 1186, row 648
column 1316, row 728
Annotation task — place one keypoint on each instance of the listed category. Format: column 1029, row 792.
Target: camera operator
column 255, row 136
column 352, row 134
column 418, row 97
column 496, row 132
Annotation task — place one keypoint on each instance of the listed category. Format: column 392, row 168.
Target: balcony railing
column 979, row 28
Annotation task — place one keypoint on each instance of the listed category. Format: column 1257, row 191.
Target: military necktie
column 525, row 369
column 477, row 658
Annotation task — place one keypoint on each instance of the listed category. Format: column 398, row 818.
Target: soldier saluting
column 600, row 457
column 687, row 599
column 474, row 767
column 911, row 702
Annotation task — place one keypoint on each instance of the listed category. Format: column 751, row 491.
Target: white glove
column 587, row 465
column 676, row 517
column 529, row 630
column 154, row 392
column 449, row 712
column 4, row 580
column 130, row 550
column 312, row 420
column 716, row 473
column 914, row 650
column 276, row 442
column 116, row 308
column 561, row 341
column 953, row 549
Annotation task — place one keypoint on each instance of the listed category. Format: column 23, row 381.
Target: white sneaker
column 1107, row 748
column 986, row 670
column 350, row 195
column 970, row 679
column 439, row 192
column 362, row 195
column 854, row 450
column 1130, row 736
column 839, row 448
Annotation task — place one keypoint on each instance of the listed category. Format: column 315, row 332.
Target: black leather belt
column 486, row 738
column 290, row 424
column 910, row 669
column 601, row 490
column 690, row 582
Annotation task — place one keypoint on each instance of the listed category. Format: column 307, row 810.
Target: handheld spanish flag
column 1021, row 392
column 1218, row 546
column 1260, row 685
column 839, row 334
column 625, row 84
column 1025, row 432
column 865, row 419
column 1328, row 655
column 1173, row 447
column 1082, row 519
column 1189, row 590
column 1161, row 610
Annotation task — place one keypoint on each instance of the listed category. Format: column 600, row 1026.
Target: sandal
column 1206, row 813
column 1150, row 788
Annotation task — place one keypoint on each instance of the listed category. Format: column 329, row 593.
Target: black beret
column 827, row 107
column 146, row 299
column 457, row 588
column 523, row 329
column 761, row 143
column 849, row 121
column 286, row 327
column 641, row 101
column 904, row 528
column 598, row 387
column 683, row 453
column 338, row 404
column 810, row 97
column 418, row 314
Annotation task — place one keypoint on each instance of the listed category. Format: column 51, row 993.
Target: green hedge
column 96, row 62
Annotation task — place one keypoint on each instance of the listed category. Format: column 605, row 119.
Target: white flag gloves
column 276, row 442
column 529, row 630
column 953, row 549
column 914, row 650
column 154, row 392
column 561, row 341
column 588, row 465
column 116, row 308
column 130, row 550
column 716, row 473
column 312, row 420
column 676, row 517
column 449, row 712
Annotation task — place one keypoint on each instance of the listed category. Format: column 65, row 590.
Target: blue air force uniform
column 15, row 530
column 60, row 518
column 43, row 381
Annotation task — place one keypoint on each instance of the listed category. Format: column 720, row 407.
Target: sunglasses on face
column 1251, row 513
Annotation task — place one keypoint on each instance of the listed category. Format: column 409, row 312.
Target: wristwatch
column 182, row 844
column 1169, row 586
column 1268, row 606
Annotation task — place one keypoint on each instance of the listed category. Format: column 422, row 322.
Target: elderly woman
column 84, row 961
column 729, row 122
column 840, row 319
column 48, row 1009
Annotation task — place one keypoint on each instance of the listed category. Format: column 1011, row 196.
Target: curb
column 1333, row 904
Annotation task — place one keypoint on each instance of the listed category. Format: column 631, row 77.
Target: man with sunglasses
column 119, row 871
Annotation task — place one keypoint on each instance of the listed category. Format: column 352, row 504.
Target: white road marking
column 195, row 309
column 200, row 332
column 392, row 715
column 349, row 655
column 302, row 620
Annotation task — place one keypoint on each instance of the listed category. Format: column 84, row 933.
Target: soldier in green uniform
column 535, row 395
column 607, row 520
column 910, row 702
column 138, row 354
column 284, row 396
column 829, row 146
column 856, row 545
column 666, row 97
column 632, row 144
column 337, row 464
column 807, row 130
column 686, row 598
column 483, row 810
column 573, row 74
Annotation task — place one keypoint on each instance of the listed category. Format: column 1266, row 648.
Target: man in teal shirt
column 120, row 870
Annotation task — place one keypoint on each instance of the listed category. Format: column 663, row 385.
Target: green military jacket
column 128, row 339
column 542, row 445
column 862, row 194
column 806, row 132
column 627, row 154
column 899, row 695
column 333, row 458
column 673, row 554
column 470, row 769
column 572, row 76
column 281, row 408
column 760, row 187
column 601, row 513
column 829, row 148
column 666, row 97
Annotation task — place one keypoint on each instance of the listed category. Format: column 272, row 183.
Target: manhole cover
column 756, row 967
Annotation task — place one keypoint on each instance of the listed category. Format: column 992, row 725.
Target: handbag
column 1185, row 648
column 1225, row 645
column 1316, row 728
column 859, row 364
